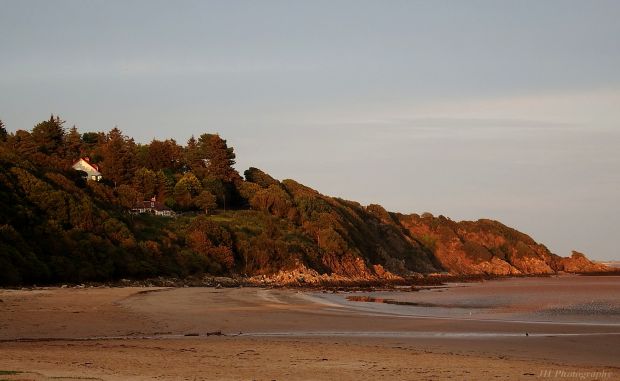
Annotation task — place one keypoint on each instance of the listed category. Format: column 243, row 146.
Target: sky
column 508, row 110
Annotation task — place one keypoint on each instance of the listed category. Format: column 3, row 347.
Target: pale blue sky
column 501, row 109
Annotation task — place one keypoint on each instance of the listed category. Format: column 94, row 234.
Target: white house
column 91, row 169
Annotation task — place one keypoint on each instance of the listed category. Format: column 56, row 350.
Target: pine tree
column 219, row 158
column 92, row 138
column 72, row 144
column 163, row 154
column 118, row 154
column 165, row 186
column 145, row 182
column 23, row 143
column 49, row 135
column 193, row 158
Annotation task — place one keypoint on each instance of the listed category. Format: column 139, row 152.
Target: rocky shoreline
column 412, row 283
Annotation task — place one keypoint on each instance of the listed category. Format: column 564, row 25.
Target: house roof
column 87, row 162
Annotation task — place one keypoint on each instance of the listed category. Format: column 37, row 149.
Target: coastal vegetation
column 57, row 226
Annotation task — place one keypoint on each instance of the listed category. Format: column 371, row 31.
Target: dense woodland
column 57, row 227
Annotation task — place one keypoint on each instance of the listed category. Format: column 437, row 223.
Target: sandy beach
column 512, row 329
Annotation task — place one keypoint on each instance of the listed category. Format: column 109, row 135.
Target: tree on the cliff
column 163, row 154
column 186, row 189
column 247, row 190
column 23, row 143
column 193, row 158
column 218, row 158
column 118, row 163
column 218, row 188
column 165, row 185
column 212, row 242
column 49, row 135
column 92, row 138
column 128, row 196
column 206, row 201
column 72, row 144
column 259, row 177
column 272, row 200
column 145, row 181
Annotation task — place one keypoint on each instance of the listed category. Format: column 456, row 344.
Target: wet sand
column 467, row 331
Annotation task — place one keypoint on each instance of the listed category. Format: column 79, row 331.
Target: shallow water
column 421, row 334
column 562, row 299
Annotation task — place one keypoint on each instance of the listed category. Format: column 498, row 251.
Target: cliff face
column 351, row 241
column 370, row 243
column 488, row 247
